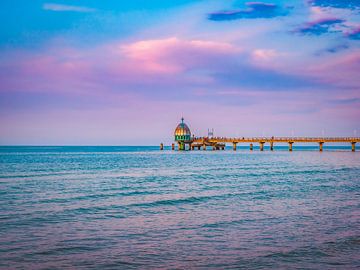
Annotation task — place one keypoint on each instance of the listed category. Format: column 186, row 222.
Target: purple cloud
column 255, row 10
column 345, row 101
column 319, row 27
column 354, row 34
column 336, row 3
column 333, row 49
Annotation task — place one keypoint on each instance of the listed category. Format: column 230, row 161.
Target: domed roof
column 182, row 129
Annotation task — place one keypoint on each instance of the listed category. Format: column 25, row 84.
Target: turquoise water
column 140, row 208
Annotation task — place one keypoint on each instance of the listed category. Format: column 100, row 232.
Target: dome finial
column 182, row 119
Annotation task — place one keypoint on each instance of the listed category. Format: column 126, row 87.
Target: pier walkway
column 218, row 143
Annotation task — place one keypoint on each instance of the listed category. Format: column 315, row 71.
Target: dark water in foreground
column 136, row 207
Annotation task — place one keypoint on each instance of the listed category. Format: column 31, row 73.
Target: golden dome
column 182, row 131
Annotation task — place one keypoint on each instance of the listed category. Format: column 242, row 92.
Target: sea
column 120, row 207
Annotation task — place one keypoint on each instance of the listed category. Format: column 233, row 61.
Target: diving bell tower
column 182, row 135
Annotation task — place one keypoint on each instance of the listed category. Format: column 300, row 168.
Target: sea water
column 141, row 208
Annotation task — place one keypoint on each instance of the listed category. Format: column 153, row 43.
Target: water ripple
column 139, row 208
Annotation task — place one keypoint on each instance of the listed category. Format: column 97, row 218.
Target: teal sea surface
column 141, row 208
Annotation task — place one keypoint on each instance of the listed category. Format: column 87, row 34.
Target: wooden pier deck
column 218, row 143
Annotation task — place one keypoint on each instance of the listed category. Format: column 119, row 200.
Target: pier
column 186, row 141
column 217, row 143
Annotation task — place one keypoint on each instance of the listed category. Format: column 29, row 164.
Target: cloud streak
column 62, row 8
column 255, row 10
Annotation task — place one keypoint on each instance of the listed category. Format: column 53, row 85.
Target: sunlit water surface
column 137, row 207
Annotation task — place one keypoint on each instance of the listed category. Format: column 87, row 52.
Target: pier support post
column 321, row 146
column 272, row 146
column 204, row 147
column 181, row 146
column 234, row 146
column 353, row 146
column 262, row 146
column 161, row 146
column 251, row 147
column 214, row 147
column 290, row 146
column 223, row 148
column 173, row 146
column 199, row 147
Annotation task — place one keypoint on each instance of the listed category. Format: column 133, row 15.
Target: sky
column 90, row 72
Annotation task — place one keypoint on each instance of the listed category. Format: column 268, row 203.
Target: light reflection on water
column 123, row 207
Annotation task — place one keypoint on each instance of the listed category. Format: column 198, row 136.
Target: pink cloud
column 60, row 71
column 341, row 70
column 70, row 69
column 269, row 58
column 172, row 55
column 135, row 66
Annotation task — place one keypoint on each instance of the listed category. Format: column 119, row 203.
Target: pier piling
column 161, row 146
column 261, row 146
column 251, row 146
column 234, row 146
column 321, row 146
column 290, row 146
column 353, row 146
